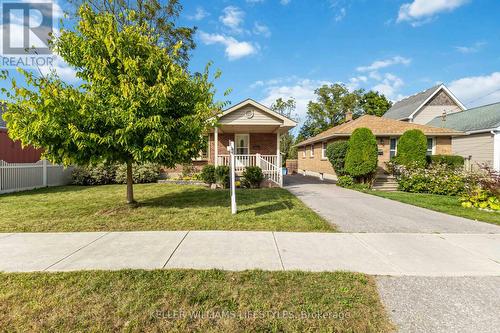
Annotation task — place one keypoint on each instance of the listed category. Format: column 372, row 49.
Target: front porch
column 270, row 165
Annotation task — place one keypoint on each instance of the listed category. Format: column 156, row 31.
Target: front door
column 242, row 144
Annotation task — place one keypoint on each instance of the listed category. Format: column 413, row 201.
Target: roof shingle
column 380, row 127
column 405, row 107
column 481, row 118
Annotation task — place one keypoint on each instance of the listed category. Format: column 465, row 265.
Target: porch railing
column 269, row 164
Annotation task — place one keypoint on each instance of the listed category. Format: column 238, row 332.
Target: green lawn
column 440, row 203
column 188, row 300
column 161, row 207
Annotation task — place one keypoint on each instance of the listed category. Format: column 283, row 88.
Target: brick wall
column 261, row 143
column 317, row 165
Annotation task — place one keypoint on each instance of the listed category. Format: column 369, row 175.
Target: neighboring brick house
column 312, row 158
column 255, row 130
column 482, row 125
column 425, row 106
column 12, row 151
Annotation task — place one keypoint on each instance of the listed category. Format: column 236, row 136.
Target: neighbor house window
column 430, row 146
column 323, row 150
column 204, row 151
column 312, row 150
column 304, row 151
column 393, row 147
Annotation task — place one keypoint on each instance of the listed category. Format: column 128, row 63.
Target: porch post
column 278, row 159
column 216, row 146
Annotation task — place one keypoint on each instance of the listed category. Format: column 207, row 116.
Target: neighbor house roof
column 408, row 107
column 3, row 107
column 380, row 127
column 486, row 117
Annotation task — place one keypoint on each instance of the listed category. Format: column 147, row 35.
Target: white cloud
column 234, row 48
column 476, row 47
column 302, row 90
column 199, row 15
column 379, row 64
column 254, row 1
column 421, row 11
column 340, row 15
column 232, row 17
column 62, row 69
column 285, row 2
column 261, row 29
column 477, row 90
column 389, row 86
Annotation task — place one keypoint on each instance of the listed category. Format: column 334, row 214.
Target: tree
column 161, row 17
column 336, row 153
column 375, row 103
column 287, row 141
column 330, row 108
column 135, row 104
column 412, row 149
column 362, row 155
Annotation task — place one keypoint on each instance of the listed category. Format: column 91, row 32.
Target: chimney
column 348, row 116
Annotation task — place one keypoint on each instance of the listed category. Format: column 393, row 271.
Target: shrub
column 222, row 175
column 141, row 173
column 412, row 149
column 437, row 179
column 208, row 174
column 362, row 154
column 252, row 177
column 480, row 199
column 345, row 181
column 101, row 174
column 336, row 153
column 451, row 161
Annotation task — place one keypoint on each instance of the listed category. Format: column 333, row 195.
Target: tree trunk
column 130, row 184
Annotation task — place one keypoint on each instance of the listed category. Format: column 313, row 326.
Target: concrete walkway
column 353, row 211
column 377, row 254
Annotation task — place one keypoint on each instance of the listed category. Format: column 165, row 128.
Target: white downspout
column 216, row 146
column 278, row 158
column 496, row 149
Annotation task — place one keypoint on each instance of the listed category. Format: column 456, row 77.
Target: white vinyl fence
column 27, row 176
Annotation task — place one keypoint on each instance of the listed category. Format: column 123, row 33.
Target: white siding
column 479, row 146
column 432, row 111
column 239, row 117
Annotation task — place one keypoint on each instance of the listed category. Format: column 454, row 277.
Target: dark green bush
column 451, row 161
column 94, row 175
column 345, row 181
column 362, row 155
column 208, row 174
column 252, row 177
column 412, row 149
column 222, row 175
column 141, row 173
column 336, row 153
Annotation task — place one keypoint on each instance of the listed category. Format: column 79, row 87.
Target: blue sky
column 286, row 48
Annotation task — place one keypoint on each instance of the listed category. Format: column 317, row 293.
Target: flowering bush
column 437, row 179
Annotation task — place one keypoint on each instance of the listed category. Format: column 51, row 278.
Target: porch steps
column 386, row 183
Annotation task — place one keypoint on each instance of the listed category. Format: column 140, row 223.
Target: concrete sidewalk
column 378, row 254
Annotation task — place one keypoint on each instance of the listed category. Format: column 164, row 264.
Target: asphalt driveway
column 353, row 211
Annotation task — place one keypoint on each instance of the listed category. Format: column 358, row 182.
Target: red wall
column 12, row 152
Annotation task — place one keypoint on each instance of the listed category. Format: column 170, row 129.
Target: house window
column 430, row 146
column 393, row 149
column 204, row 151
column 312, row 150
column 323, row 150
column 242, row 144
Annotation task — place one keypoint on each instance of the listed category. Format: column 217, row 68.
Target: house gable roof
column 408, row 107
column 380, row 127
column 286, row 122
column 486, row 117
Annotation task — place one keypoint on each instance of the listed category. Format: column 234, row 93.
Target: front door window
column 242, row 144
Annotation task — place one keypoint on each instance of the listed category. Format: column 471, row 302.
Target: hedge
column 336, row 153
column 362, row 155
column 451, row 161
column 412, row 149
